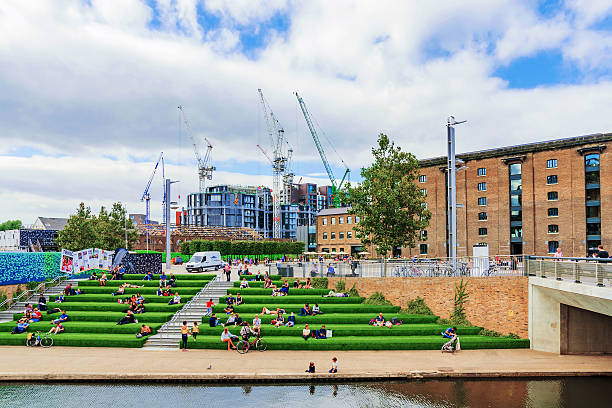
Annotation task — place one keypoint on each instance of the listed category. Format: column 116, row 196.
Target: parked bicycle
column 244, row 346
column 37, row 339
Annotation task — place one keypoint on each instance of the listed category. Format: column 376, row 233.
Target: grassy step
column 110, row 298
column 259, row 284
column 336, row 318
column 116, row 307
column 146, row 284
column 262, row 300
column 101, row 316
column 262, row 291
column 80, row 340
column 150, row 291
column 350, row 330
column 368, row 343
column 273, row 303
column 86, row 327
column 181, row 276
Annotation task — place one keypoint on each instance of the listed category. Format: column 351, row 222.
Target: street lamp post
column 452, row 190
column 167, row 210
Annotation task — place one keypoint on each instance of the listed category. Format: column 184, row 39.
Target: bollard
column 599, row 273
column 576, row 273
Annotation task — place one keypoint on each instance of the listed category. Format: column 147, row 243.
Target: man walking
column 228, row 271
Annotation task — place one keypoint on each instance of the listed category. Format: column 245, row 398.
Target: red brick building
column 527, row 199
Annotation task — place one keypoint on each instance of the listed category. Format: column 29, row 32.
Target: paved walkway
column 74, row 364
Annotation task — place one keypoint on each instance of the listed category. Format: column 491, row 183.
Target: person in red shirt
column 209, row 306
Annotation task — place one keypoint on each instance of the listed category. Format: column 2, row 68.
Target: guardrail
column 29, row 292
column 581, row 270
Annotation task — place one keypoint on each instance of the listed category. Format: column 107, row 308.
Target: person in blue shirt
column 162, row 279
column 306, row 310
column 121, row 271
column 229, row 300
column 63, row 317
column 450, row 333
column 330, row 270
column 290, row 320
column 22, row 326
column 148, row 276
column 321, row 333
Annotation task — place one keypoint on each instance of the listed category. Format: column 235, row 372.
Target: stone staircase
column 169, row 335
column 18, row 307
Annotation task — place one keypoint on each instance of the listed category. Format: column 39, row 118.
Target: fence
column 580, row 270
column 439, row 267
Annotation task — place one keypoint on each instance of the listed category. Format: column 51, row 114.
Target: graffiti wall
column 24, row 267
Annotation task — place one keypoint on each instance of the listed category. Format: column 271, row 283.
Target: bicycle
column 35, row 339
column 244, row 346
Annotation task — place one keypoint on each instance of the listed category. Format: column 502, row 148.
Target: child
column 195, row 330
column 311, row 367
column 184, row 336
column 334, row 367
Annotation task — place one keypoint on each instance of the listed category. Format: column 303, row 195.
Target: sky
column 89, row 89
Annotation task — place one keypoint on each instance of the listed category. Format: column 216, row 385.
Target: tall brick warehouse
column 529, row 199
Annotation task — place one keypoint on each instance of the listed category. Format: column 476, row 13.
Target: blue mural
column 24, row 267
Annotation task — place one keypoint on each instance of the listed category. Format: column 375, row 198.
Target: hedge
column 71, row 306
column 153, row 283
column 80, row 340
column 262, row 291
column 243, row 248
column 327, row 308
column 107, row 297
column 86, row 327
column 368, row 343
column 301, row 299
column 146, row 292
column 101, row 316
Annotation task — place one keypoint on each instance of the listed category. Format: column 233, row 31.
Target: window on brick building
column 553, row 195
column 482, row 171
column 340, row 220
column 482, row 232
column 349, row 234
column 356, row 220
column 551, row 164
column 341, row 235
column 553, row 229
column 341, row 249
column 482, row 216
column 325, row 235
column 482, row 186
column 423, row 249
column 552, row 179
column 333, row 235
column 424, row 192
column 423, row 235
column 552, row 246
column 349, row 220
column 324, row 221
column 482, row 200
column 424, row 205
column 422, row 178
column 333, row 220
column 553, row 212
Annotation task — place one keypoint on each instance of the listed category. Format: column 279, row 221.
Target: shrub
column 32, row 285
column 340, row 286
column 417, row 306
column 319, row 283
column 377, row 298
column 490, row 333
column 353, row 291
column 2, row 299
column 461, row 297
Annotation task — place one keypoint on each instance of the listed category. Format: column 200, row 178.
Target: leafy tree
column 388, row 202
column 10, row 225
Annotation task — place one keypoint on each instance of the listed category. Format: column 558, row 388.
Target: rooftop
column 334, row 211
column 49, row 223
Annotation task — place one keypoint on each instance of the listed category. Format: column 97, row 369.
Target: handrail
column 28, row 292
column 570, row 258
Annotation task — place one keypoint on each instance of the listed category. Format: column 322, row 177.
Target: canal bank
column 67, row 364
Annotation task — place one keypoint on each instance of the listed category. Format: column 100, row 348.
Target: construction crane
column 282, row 178
column 146, row 196
column 205, row 169
column 335, row 186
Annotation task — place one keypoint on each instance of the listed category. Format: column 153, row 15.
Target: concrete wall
column 584, row 332
column 495, row 303
column 546, row 326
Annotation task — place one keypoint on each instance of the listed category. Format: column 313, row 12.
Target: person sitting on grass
column 285, row 288
column 379, row 320
column 77, row 291
column 296, row 284
column 307, row 285
column 172, row 281
column 244, row 284
column 231, row 320
column 306, row 332
column 128, row 318
column 279, row 321
column 22, row 326
column 139, row 308
column 148, row 276
column 451, row 334
column 62, row 318
column 144, row 331
column 42, row 303
column 94, row 276
column 316, row 310
column 36, row 316
column 246, row 332
column 230, row 299
column 239, row 300
column 166, row 291
column 209, row 306
column 175, row 300
column 68, row 290
column 27, row 312
column 120, row 272
column 103, row 279
column 238, row 320
column 321, row 333
column 213, row 321
column 306, row 310
column 229, row 338
column 120, row 291
column 268, row 284
column 60, row 298
column 195, row 330
column 257, row 325
column 278, row 311
column 115, row 272
column 163, row 279
column 57, row 329
column 290, row 320
column 258, row 277
column 229, row 309
column 334, row 366
column 276, row 292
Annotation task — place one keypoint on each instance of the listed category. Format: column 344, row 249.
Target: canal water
column 557, row 393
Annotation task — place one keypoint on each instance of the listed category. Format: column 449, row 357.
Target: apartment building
column 335, row 232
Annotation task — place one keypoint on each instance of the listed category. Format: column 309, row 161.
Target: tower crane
column 282, row 178
column 205, row 169
column 335, row 186
column 146, row 196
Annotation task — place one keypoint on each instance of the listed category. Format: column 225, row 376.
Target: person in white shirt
column 559, row 253
column 257, row 325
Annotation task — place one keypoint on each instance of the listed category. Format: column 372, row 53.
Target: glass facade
column 593, row 203
column 516, row 208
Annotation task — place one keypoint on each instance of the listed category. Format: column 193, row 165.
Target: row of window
column 349, row 220
column 349, row 235
column 552, row 246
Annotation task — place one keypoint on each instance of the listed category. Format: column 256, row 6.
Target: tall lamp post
column 167, row 209
column 452, row 190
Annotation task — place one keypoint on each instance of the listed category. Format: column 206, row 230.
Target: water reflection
column 570, row 392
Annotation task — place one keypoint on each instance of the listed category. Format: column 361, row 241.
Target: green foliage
column 493, row 333
column 513, row 336
column 388, row 202
column 106, row 230
column 10, row 225
column 185, row 248
column 377, row 298
column 417, row 306
column 461, row 297
column 353, row 292
column 32, row 285
column 340, row 286
column 319, row 283
column 2, row 299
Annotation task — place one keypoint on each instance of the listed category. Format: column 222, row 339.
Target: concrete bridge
column 570, row 307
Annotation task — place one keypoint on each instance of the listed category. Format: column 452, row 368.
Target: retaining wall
column 495, row 303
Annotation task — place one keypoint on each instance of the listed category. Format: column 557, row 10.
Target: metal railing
column 580, row 270
column 29, row 292
column 507, row 265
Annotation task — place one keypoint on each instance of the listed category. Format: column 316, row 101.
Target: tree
column 388, row 202
column 79, row 232
column 10, row 225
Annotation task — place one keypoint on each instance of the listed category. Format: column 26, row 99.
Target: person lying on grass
column 257, row 325
column 244, row 284
column 36, row 316
column 278, row 311
column 175, row 300
column 57, row 329
column 306, row 332
column 213, row 321
column 129, row 285
column 332, row 293
column 94, row 276
column 306, row 310
column 22, row 326
column 144, row 331
column 128, row 318
column 239, row 300
column 229, row 338
column 63, row 317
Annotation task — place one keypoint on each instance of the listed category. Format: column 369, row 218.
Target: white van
column 201, row 261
